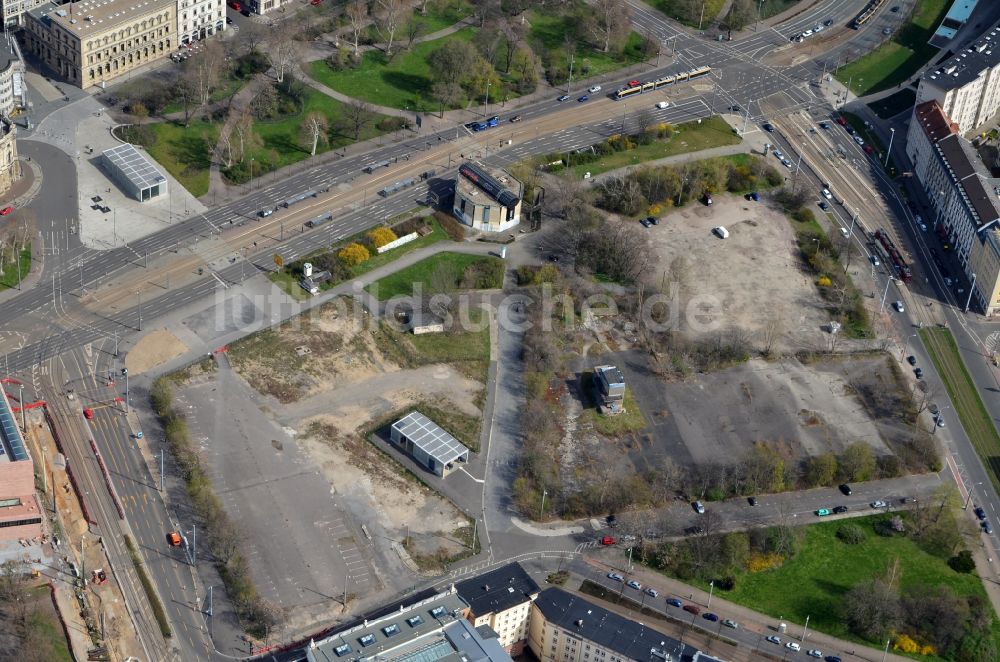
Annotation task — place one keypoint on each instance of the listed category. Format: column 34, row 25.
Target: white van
column 722, row 232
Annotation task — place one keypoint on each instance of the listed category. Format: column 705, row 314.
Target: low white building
column 487, row 201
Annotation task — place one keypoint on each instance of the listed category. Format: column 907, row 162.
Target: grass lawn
column 551, row 30
column 401, row 283
column 185, row 152
column 615, row 426
column 774, row 7
column 11, row 276
column 976, row 420
column 894, row 104
column 825, row 568
column 443, row 15
column 288, row 283
column 232, row 86
column 676, row 9
column 688, row 137
column 403, row 83
column 377, row 260
column 899, row 58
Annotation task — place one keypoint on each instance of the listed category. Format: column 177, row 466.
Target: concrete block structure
column 610, row 384
column 501, row 599
column 429, row 445
column 20, row 512
column 133, row 172
column 487, row 200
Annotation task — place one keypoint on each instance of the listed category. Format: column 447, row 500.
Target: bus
column 663, row 81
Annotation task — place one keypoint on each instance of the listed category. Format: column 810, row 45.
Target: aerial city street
column 492, row 330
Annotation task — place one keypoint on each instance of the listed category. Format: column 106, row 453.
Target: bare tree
column 314, row 130
column 644, row 119
column 264, row 101
column 389, row 16
column 415, row 29
column 357, row 18
column 282, row 48
column 610, row 22
column 511, row 33
column 871, row 609
column 204, row 72
column 357, row 115
column 243, row 128
column 448, row 93
column 770, row 336
column 252, row 37
column 224, row 146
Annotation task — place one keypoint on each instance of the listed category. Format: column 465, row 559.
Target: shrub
column 390, row 124
column 451, row 226
column 851, row 534
column 353, row 254
column 409, row 226
column 804, row 215
column 379, row 237
column 727, row 583
column 762, row 562
column 962, row 562
column 905, row 643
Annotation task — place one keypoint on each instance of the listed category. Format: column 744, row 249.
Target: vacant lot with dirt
column 751, row 281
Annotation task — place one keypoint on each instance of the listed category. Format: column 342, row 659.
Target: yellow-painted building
column 501, row 599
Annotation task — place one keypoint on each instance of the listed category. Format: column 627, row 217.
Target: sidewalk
column 748, row 619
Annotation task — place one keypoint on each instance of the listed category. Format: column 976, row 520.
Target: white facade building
column 197, row 19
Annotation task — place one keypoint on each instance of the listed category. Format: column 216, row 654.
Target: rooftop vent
column 579, row 622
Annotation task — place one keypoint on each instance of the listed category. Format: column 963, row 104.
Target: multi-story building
column 501, row 599
column 566, row 628
column 20, row 512
column 90, row 42
column 197, row 19
column 430, row 630
column 14, row 10
column 13, row 93
column 10, row 167
column 489, row 201
column 964, row 197
column 967, row 86
column 263, row 6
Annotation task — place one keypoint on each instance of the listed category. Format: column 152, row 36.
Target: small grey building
column 429, row 445
column 133, row 172
column 610, row 388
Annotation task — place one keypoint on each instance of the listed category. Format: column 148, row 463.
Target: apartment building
column 567, row 628
column 967, row 86
column 263, row 6
column 501, row 599
column 90, row 42
column 20, row 511
column 197, row 19
column 964, row 197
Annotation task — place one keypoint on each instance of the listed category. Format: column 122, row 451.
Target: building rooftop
column 631, row 639
column 933, row 120
column 11, row 442
column 980, row 190
column 495, row 184
column 498, row 590
column 966, row 65
column 430, row 438
column 8, row 54
column 957, row 16
column 610, row 374
column 134, row 165
column 96, row 16
column 432, row 630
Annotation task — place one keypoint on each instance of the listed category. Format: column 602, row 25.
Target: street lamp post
column 939, row 414
column 892, row 134
column 251, row 174
column 138, row 295
column 757, row 24
column 885, row 294
column 972, row 288
column 906, row 341
column 541, row 511
column 711, row 590
column 486, row 101
column 969, row 497
column 805, row 629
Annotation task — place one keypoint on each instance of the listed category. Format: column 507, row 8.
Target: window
column 367, row 640
column 342, row 650
column 414, row 621
column 390, row 630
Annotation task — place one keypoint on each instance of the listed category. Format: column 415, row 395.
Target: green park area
column 12, row 274
column 444, row 272
column 976, row 419
column 548, row 33
column 692, row 14
column 900, row 57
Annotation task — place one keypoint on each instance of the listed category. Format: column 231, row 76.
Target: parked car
column 824, row 125
column 692, row 609
column 616, row 577
column 768, row 127
column 858, row 139
column 898, row 306
column 828, row 22
column 699, row 507
column 595, row 89
column 987, row 529
column 939, row 420
column 911, row 359
column 752, row 501
column 774, row 639
column 841, row 120
column 875, row 261
column 844, row 231
column 607, row 540
column 730, row 623
column 778, row 154
column 651, row 592
column 674, row 602
column 832, row 658
column 919, row 373
column 840, row 509
column 826, row 194
column 868, row 149
column 710, row 617
column 88, row 414
column 754, row 196
column 822, row 512
column 824, row 206
column 653, row 220
column 793, row 646
column 563, row 98
column 645, row 223
column 582, row 98
column 878, row 504
column 634, row 584
column 6, row 210
column 785, row 162
column 980, row 513
column 174, row 539
column 886, row 31
column 845, row 489
column 264, row 213
column 814, row 653
column 516, row 118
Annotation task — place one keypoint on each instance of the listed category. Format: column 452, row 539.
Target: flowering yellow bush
column 762, row 562
column 824, row 281
column 906, row 644
column 353, row 254
column 654, row 210
column 379, row 237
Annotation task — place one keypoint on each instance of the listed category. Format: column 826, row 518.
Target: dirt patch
column 724, row 284
column 153, row 349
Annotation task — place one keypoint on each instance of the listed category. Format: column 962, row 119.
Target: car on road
column 767, row 126
column 895, row 9
column 858, row 139
column 616, row 577
column 634, row 83
column 839, row 509
column 88, row 414
column 987, row 529
column 939, row 420
column 137, row 435
column 699, row 507
column 793, row 646
column 918, row 373
column 735, row 109
column 841, row 120
column 516, row 118
column 812, row 652
column 911, row 359
column 875, row 261
column 692, row 609
column 828, row 22
column 823, row 205
column 264, row 213
column 595, row 89
column 822, row 512
column 826, row 194
column 651, row 592
column 730, row 623
column 980, row 513
column 634, row 584
column 752, row 501
column 824, row 125
column 583, row 98
column 845, row 489
column 898, row 305
column 6, row 210
column 674, row 602
column 174, row 539
column 844, row 231
column 710, row 617
column 607, row 540
column 878, row 504
column 662, row 104
column 786, row 163
column 564, row 97
column 774, row 640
